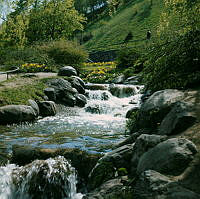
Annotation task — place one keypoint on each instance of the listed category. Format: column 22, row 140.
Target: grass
column 20, row 90
column 137, row 17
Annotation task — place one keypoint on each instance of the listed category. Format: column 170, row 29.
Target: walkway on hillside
column 40, row 75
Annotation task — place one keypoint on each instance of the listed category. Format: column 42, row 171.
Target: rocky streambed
column 154, row 162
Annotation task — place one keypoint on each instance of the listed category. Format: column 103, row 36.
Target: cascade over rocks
column 90, row 86
column 43, row 179
column 67, row 71
column 16, row 113
column 122, row 91
column 47, row 108
column 81, row 160
column 156, row 107
column 170, row 157
column 178, row 119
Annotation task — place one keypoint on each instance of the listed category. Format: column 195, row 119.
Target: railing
column 9, row 72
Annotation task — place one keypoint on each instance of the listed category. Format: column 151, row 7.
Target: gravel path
column 3, row 77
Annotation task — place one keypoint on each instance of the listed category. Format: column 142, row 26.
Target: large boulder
column 16, row 113
column 47, row 108
column 50, row 93
column 81, row 100
column 35, row 106
column 170, row 157
column 107, row 167
column 78, row 85
column 44, row 179
column 67, row 71
column 153, row 185
column 65, row 93
column 142, row 144
column 112, row 189
column 80, row 81
column 181, row 117
column 156, row 107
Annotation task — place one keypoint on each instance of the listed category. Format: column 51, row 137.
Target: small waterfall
column 54, row 178
column 116, row 101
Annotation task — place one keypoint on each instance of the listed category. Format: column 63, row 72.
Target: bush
column 127, row 58
column 64, row 52
column 174, row 64
column 12, row 56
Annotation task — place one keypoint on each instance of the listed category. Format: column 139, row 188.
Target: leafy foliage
column 34, row 20
column 174, row 60
column 64, row 52
column 127, row 57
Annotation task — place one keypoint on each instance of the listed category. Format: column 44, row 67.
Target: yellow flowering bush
column 99, row 72
column 33, row 67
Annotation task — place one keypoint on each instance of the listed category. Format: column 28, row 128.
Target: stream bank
column 155, row 161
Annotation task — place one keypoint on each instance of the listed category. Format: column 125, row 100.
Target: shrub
column 127, row 58
column 64, row 52
column 13, row 56
column 174, row 64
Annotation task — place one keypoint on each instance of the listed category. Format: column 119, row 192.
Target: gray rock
column 149, row 183
column 142, row 144
column 153, row 185
column 35, row 106
column 107, row 167
column 170, row 157
column 62, row 86
column 43, row 179
column 132, row 111
column 119, row 80
column 67, row 71
column 81, row 100
column 69, row 99
column 112, row 189
column 80, row 81
column 50, row 93
column 156, row 107
column 181, row 117
column 95, row 109
column 129, row 140
column 65, row 94
column 16, row 113
column 134, row 80
column 47, row 108
column 77, row 85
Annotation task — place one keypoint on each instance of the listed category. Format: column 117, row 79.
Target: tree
column 37, row 20
column 179, row 17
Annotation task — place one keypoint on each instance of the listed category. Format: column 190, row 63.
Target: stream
column 94, row 128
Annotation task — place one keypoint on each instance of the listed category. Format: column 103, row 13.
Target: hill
column 136, row 17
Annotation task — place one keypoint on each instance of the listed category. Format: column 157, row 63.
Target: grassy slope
column 137, row 17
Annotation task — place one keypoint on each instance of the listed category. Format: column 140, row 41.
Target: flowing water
column 94, row 128
column 76, row 127
column 28, row 182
